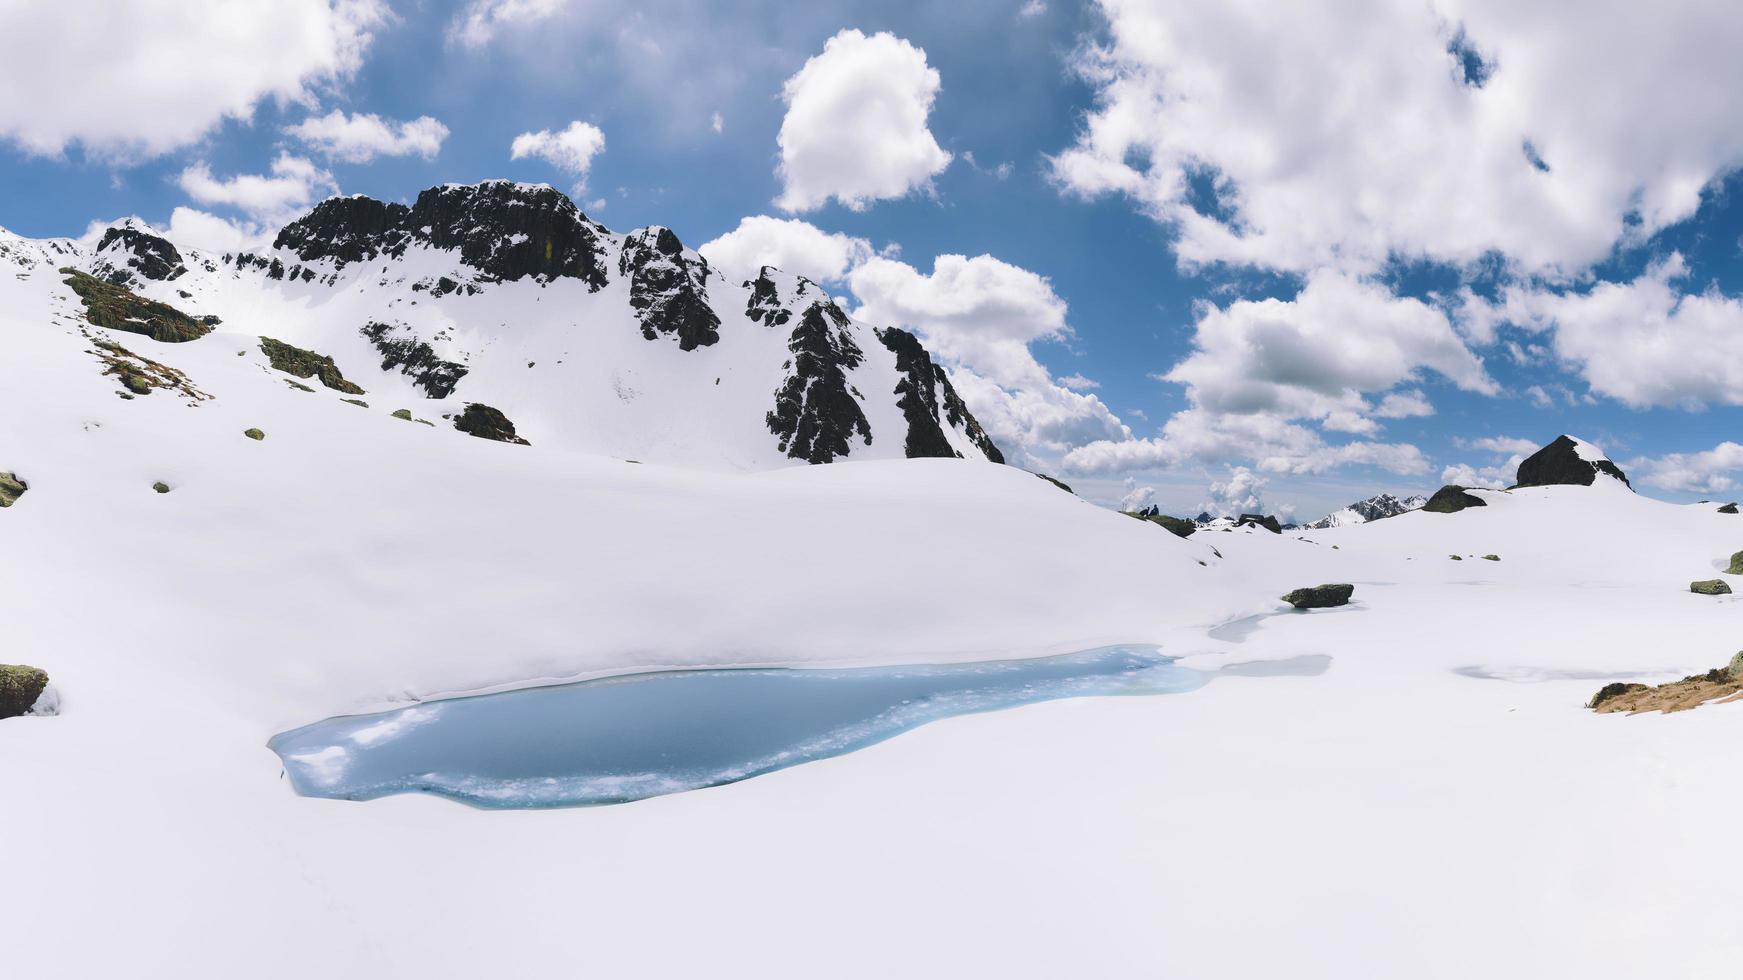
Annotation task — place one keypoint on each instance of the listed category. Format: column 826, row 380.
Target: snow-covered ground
column 1436, row 803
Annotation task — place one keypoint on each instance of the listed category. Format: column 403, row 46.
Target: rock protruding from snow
column 1451, row 499
column 1321, row 596
column 817, row 414
column 415, row 359
column 347, row 230
column 115, row 307
column 929, row 401
column 20, row 686
column 503, row 230
column 306, row 364
column 1177, row 526
column 1265, row 521
column 1710, row 586
column 487, row 423
column 668, row 288
column 1567, row 462
column 11, row 488
column 128, row 250
column 1375, row 508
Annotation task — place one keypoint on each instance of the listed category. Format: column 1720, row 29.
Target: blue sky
column 1446, row 262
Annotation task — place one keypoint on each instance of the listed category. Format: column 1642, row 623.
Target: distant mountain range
column 1372, row 509
column 567, row 334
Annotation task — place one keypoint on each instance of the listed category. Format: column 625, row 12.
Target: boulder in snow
column 1260, row 520
column 1451, row 499
column 306, row 364
column 1728, row 509
column 11, row 488
column 1321, row 596
column 487, row 423
column 1711, row 586
column 20, row 686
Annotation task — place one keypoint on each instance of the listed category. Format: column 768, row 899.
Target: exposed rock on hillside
column 1377, row 507
column 11, row 488
column 1567, row 461
column 928, row 400
column 20, row 686
column 306, row 364
column 1265, row 521
column 487, row 423
column 1179, row 527
column 415, row 359
column 1321, row 596
column 127, row 250
column 119, row 308
column 668, row 289
column 1711, row 586
column 817, row 410
column 1451, row 499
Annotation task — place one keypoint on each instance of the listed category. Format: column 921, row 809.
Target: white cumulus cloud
column 855, row 127
column 1711, row 471
column 143, row 78
column 570, row 150
column 1343, row 134
column 477, row 24
column 788, row 244
column 293, row 184
column 363, row 137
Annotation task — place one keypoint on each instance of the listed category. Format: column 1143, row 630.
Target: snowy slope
column 623, row 345
column 1408, row 786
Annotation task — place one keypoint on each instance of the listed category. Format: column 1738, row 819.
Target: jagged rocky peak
column 775, row 296
column 817, row 415
column 346, row 230
column 1377, row 507
column 502, row 229
column 1567, row 461
column 508, row 230
column 668, row 288
column 130, row 249
column 929, row 401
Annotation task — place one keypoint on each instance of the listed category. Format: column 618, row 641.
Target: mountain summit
column 507, row 296
column 1567, row 461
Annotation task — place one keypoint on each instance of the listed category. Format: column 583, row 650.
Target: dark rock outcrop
column 125, row 251
column 1060, row 484
column 1265, row 521
column 20, row 686
column 11, row 488
column 506, row 231
column 667, row 289
column 817, row 411
column 487, row 423
column 118, row 308
column 765, row 305
column 929, row 401
column 254, row 434
column 1728, row 509
column 415, row 359
column 306, row 364
column 1614, row 690
column 347, row 229
column 1559, row 464
column 1451, row 499
column 1179, row 527
column 1321, row 596
column 1711, row 586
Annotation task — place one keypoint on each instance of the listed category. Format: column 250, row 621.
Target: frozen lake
column 618, row 739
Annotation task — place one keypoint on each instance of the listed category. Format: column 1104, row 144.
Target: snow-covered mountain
column 505, row 295
column 1372, row 509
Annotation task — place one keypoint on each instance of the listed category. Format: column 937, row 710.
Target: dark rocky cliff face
column 765, row 301
column 347, row 229
column 668, row 290
column 509, row 231
column 923, row 389
column 125, row 251
column 817, row 412
column 1559, row 464
column 506, row 231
